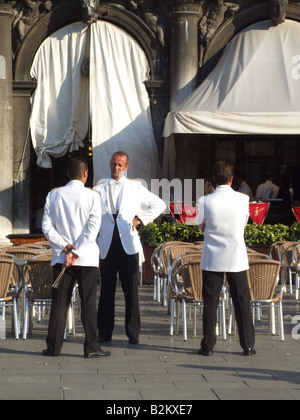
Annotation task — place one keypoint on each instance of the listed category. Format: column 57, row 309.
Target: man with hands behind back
column 71, row 223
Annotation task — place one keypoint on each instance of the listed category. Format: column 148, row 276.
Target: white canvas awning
column 254, row 88
column 114, row 98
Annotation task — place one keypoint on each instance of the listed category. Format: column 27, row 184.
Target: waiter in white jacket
column 125, row 204
column 224, row 215
column 71, row 223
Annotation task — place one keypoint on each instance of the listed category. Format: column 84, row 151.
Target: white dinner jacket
column 134, row 199
column 72, row 215
column 225, row 214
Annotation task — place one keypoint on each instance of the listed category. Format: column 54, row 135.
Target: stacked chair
column 28, row 273
column 263, row 278
column 178, row 283
column 8, row 296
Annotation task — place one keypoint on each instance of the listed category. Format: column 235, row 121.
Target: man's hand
column 70, row 256
column 136, row 222
column 68, row 248
column 70, row 259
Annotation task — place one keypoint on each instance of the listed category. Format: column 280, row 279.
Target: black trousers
column 86, row 278
column 239, row 289
column 127, row 266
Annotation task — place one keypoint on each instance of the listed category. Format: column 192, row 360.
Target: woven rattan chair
column 44, row 244
column 275, row 250
column 288, row 261
column 173, row 253
column 296, row 259
column 22, row 253
column 8, row 298
column 276, row 253
column 186, row 289
column 38, row 291
column 159, row 266
column 252, row 256
column 263, row 276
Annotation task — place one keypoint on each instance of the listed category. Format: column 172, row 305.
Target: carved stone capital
column 6, row 8
column 185, row 5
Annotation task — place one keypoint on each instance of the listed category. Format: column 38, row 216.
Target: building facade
column 182, row 42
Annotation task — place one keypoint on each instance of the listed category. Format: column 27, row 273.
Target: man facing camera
column 125, row 204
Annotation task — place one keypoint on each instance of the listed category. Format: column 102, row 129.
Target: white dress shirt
column 133, row 200
column 224, row 213
column 245, row 189
column 72, row 215
column 115, row 189
column 264, row 189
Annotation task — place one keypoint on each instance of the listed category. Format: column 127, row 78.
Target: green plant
column 266, row 234
column 150, row 234
column 153, row 234
column 295, row 232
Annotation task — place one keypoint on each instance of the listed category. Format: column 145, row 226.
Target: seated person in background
column 268, row 189
column 243, row 187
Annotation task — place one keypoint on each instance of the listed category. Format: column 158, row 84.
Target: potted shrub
column 260, row 237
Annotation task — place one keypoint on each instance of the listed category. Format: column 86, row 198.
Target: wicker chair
column 21, row 253
column 263, row 276
column 288, row 261
column 173, row 253
column 158, row 262
column 277, row 250
column 8, row 298
column 252, row 256
column 38, row 291
column 39, row 280
column 296, row 259
column 187, row 290
column 38, row 245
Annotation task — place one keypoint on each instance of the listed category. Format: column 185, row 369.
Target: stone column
column 184, row 60
column 22, row 91
column 6, row 124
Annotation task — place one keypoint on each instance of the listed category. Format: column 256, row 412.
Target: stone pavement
column 160, row 369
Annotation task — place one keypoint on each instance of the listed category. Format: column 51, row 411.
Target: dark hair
column 121, row 153
column 76, row 167
column 222, row 172
column 269, row 175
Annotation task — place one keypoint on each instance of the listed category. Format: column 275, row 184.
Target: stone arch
column 234, row 25
column 64, row 15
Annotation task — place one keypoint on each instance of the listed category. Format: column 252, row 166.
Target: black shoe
column 205, row 352
column 133, row 341
column 103, row 339
column 47, row 352
column 96, row 354
column 249, row 352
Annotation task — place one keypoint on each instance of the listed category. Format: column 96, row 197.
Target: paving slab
column 160, row 370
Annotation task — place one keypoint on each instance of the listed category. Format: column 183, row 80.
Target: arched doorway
column 58, row 19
